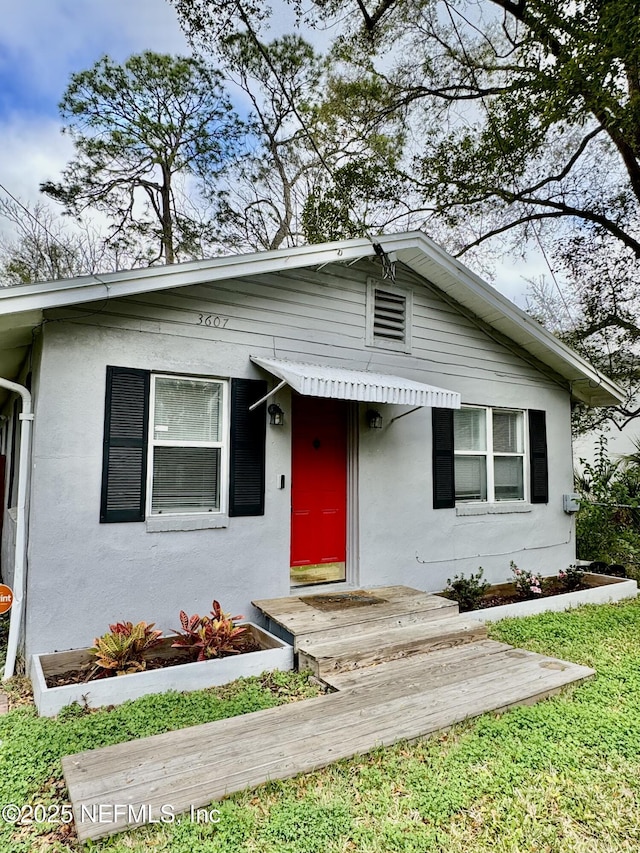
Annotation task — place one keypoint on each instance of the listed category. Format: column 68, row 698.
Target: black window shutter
column 444, row 487
column 124, row 460
column 538, row 456
column 248, row 433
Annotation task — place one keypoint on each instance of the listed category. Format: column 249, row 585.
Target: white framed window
column 188, row 445
column 389, row 316
column 489, row 454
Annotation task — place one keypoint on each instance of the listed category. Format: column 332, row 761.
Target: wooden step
column 395, row 606
column 375, row 626
column 435, row 668
column 357, row 649
column 128, row 784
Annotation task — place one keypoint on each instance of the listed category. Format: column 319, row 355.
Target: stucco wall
column 83, row 574
column 428, row 546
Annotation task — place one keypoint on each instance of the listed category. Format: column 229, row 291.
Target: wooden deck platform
column 407, row 697
column 318, row 618
column 366, row 627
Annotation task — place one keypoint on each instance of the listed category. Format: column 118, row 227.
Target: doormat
column 342, row 600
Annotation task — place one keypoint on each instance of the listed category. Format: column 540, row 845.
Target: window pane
column 186, row 479
column 471, row 478
column 507, row 432
column 187, row 410
column 509, row 482
column 469, row 429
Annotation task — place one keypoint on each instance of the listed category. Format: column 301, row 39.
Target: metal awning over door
column 339, row 383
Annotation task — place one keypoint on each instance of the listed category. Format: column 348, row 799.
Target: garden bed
column 501, row 600
column 169, row 671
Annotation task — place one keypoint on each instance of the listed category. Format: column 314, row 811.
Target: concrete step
column 365, row 648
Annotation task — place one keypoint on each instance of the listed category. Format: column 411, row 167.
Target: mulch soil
column 550, row 588
column 87, row 672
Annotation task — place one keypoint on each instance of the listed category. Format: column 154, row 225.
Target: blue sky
column 42, row 42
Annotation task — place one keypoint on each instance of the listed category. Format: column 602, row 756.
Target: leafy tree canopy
column 259, row 203
column 520, row 111
column 147, row 134
column 521, row 121
column 310, row 169
column 597, row 312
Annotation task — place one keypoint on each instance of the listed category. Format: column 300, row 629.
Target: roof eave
column 430, row 261
column 58, row 294
column 414, row 249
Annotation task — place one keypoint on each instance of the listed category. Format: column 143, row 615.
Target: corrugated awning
column 317, row 380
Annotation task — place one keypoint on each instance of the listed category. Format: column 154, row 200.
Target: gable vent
column 389, row 315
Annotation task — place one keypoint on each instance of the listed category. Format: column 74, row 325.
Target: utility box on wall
column 571, row 503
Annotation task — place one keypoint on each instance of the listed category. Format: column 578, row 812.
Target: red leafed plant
column 124, row 649
column 210, row 636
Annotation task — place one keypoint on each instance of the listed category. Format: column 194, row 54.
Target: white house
column 619, row 443
column 240, row 428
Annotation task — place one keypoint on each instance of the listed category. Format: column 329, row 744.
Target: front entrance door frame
column 352, row 507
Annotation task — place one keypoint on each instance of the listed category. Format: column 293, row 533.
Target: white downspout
column 19, row 573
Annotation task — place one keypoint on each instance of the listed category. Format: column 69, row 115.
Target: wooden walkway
column 133, row 783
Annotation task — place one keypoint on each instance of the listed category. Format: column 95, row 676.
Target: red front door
column 318, row 487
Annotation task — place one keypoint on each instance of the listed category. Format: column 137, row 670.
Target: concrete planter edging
column 274, row 654
column 608, row 589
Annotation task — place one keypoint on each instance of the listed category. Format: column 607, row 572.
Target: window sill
column 201, row 521
column 502, row 508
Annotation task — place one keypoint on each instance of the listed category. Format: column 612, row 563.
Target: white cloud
column 512, row 276
column 33, row 151
column 42, row 42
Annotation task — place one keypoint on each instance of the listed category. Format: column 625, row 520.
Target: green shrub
column 467, row 591
column 608, row 521
column 571, row 577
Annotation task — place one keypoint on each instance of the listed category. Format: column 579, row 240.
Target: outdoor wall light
column 276, row 415
column 374, row 419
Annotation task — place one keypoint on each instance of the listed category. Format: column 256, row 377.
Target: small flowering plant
column 467, row 592
column 527, row 584
column 571, row 577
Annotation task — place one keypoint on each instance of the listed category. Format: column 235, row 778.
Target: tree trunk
column 167, row 220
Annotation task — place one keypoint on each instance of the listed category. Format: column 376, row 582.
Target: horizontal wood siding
column 309, row 315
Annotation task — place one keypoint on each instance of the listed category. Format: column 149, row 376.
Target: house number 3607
column 212, row 320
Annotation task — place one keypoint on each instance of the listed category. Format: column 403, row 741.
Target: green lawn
column 563, row 775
